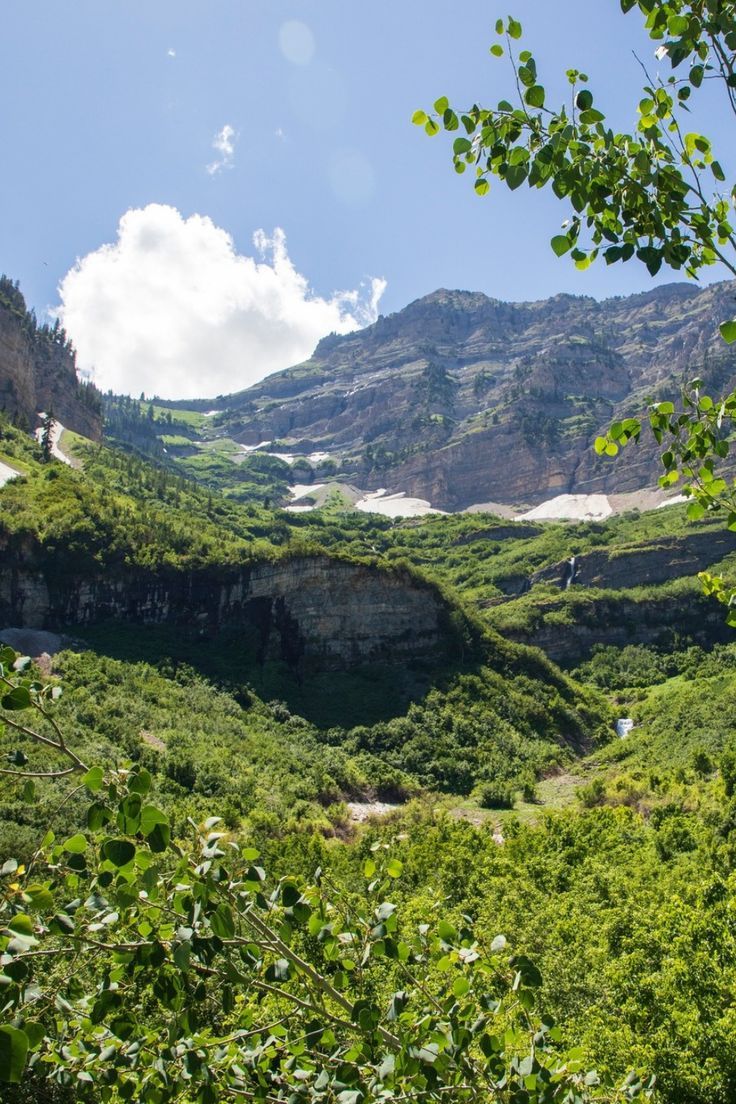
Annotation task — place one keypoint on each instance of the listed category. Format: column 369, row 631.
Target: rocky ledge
column 312, row 612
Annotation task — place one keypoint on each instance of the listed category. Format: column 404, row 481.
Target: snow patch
column 7, row 473
column 570, row 507
column 394, row 505
column 255, row 448
column 56, row 431
column 301, row 490
column 288, row 457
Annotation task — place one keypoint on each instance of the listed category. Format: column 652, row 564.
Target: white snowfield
column 7, row 473
column 301, row 490
column 564, row 507
column 288, row 457
column 394, row 505
column 56, row 431
column 570, row 507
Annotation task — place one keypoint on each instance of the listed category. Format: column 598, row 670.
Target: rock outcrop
column 587, row 613
column 38, row 371
column 644, row 564
column 568, row 635
column 312, row 612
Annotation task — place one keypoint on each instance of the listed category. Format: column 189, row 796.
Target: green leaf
column 394, row 868
column 431, row 127
column 223, row 922
column 497, row 50
column 534, row 96
column 35, row 1033
column 528, row 973
column 514, row 28
column 560, row 244
column 460, row 986
column 75, row 845
column 441, row 105
column 21, row 924
column 18, row 698
column 140, row 783
column 446, row 931
column 728, row 331
column 289, row 894
column 118, row 851
column 155, row 827
column 13, row 1054
column 93, row 779
column 419, row 118
column 584, row 99
column 97, row 816
column 482, row 186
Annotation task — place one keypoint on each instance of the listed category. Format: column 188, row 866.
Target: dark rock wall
column 324, row 613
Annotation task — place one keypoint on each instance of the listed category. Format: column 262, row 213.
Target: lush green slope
column 624, row 896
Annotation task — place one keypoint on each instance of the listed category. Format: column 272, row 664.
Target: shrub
column 495, row 795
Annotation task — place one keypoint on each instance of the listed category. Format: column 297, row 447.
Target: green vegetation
column 183, row 442
column 198, row 977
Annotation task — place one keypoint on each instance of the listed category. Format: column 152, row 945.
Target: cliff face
column 313, row 613
column 38, row 370
column 17, row 374
column 568, row 627
column 646, row 564
column 627, row 621
column 462, row 399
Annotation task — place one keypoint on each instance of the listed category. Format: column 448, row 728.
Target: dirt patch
column 361, row 811
column 154, row 742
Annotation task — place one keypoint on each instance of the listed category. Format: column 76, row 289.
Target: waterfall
column 572, row 570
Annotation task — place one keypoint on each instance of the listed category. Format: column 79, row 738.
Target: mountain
column 462, row 399
column 38, row 370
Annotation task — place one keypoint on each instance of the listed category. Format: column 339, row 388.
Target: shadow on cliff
column 364, row 695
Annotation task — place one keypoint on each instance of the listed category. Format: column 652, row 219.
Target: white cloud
column 172, row 308
column 224, row 145
column 171, row 53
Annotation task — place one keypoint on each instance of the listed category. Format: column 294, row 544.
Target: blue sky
column 116, row 106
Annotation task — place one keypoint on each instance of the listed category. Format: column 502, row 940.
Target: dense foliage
column 195, row 978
